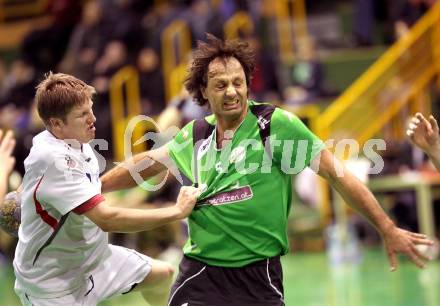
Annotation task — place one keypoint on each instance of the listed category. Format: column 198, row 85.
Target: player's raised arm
column 126, row 220
column 357, row 195
column 424, row 133
column 146, row 164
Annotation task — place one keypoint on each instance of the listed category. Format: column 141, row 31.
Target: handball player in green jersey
column 243, row 157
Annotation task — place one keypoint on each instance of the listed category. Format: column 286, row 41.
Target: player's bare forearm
column 126, row 220
column 122, row 176
column 434, row 156
column 354, row 192
column 357, row 195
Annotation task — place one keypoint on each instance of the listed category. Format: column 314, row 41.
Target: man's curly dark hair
column 214, row 48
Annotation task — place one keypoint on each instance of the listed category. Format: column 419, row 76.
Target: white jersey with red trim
column 57, row 245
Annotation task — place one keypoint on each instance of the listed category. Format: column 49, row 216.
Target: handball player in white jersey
column 63, row 256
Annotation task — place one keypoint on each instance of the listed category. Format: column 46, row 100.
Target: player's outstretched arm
column 357, row 195
column 127, row 220
column 425, row 134
column 146, row 164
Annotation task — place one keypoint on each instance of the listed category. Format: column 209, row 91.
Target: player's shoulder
column 271, row 112
column 46, row 149
column 281, row 115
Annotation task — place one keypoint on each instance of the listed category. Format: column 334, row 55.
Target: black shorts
column 257, row 284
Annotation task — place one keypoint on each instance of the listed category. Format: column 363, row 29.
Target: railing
column 125, row 103
column 176, row 46
column 239, row 22
column 13, row 9
column 388, row 92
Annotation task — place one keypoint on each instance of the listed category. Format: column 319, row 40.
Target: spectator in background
column 113, row 59
column 308, row 80
column 19, row 85
column 88, row 41
column 364, row 22
column 408, row 15
column 151, row 81
column 126, row 16
column 45, row 47
column 202, row 17
column 16, row 106
column 265, row 84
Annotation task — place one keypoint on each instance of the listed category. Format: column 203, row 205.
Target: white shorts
column 116, row 275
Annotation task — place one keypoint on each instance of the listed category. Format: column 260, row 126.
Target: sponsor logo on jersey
column 262, row 122
column 228, row 197
column 71, row 163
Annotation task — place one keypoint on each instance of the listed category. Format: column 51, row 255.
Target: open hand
column 424, row 133
column 398, row 240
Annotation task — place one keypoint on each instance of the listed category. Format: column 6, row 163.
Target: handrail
column 173, row 57
column 125, row 80
column 385, row 64
column 239, row 21
column 389, row 90
column 14, row 10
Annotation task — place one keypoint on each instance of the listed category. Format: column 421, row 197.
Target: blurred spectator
column 203, row 18
column 44, row 48
column 408, row 15
column 19, row 85
column 364, row 22
column 265, row 85
column 17, row 106
column 180, row 111
column 308, row 80
column 126, row 17
column 113, row 59
column 17, row 96
column 165, row 12
column 88, row 42
column 151, row 82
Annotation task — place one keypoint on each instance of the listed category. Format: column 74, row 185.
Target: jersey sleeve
column 66, row 185
column 180, row 149
column 294, row 145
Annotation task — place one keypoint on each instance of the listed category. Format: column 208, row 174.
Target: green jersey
column 241, row 216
